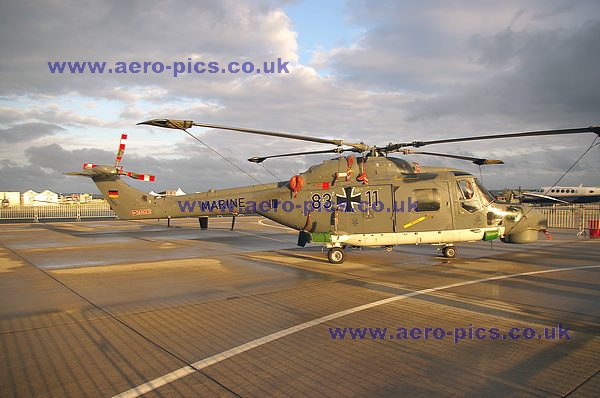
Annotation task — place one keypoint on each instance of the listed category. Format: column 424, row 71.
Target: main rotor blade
column 169, row 123
column 183, row 124
column 272, row 133
column 258, row 159
column 477, row 161
column 417, row 144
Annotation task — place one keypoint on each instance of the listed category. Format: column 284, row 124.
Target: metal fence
column 75, row 211
column 573, row 216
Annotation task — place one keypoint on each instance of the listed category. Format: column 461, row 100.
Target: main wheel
column 449, row 251
column 336, row 255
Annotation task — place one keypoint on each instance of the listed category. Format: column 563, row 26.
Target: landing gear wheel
column 449, row 251
column 336, row 255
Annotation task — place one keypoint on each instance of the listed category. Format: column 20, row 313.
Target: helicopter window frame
column 486, row 196
column 465, row 189
column 430, row 202
column 471, row 195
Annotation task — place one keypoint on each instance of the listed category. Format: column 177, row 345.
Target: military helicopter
column 367, row 199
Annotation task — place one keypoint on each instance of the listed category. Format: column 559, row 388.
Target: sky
column 372, row 71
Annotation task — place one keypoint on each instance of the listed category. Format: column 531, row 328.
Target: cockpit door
column 469, row 210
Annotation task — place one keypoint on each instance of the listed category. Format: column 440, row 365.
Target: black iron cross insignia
column 348, row 200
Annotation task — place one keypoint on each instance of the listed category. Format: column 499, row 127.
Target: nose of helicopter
column 525, row 227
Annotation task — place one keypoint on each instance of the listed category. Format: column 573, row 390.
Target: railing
column 571, row 216
column 75, row 211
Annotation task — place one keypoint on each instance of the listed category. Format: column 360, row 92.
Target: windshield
column 484, row 192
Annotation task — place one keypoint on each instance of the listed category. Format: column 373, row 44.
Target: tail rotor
column 95, row 170
column 121, row 151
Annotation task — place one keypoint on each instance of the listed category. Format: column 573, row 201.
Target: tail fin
column 127, row 202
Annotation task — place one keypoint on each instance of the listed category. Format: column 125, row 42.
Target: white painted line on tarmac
column 204, row 363
column 261, row 222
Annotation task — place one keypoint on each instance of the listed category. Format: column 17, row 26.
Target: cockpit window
column 486, row 195
column 471, row 196
column 467, row 189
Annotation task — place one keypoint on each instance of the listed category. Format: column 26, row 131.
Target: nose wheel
column 336, row 255
column 449, row 251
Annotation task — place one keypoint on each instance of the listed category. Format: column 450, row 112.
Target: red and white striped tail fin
column 121, row 150
column 88, row 166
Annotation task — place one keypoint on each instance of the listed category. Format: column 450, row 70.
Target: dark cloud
column 21, row 178
column 535, row 76
column 27, row 132
column 471, row 60
column 558, row 10
column 201, row 171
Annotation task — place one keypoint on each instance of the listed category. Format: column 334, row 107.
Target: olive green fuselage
column 334, row 201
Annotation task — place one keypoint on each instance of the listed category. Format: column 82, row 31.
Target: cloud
column 199, row 170
column 419, row 71
column 445, row 48
column 533, row 74
column 28, row 132
column 558, row 10
column 35, row 33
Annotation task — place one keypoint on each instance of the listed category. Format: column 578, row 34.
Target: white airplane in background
column 562, row 194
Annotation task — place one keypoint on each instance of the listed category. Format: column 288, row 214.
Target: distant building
column 28, row 198
column 47, row 197
column 10, row 198
column 32, row 198
column 169, row 192
column 85, row 198
column 75, row 198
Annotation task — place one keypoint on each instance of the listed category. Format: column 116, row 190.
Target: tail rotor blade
column 108, row 171
column 141, row 177
column 121, row 150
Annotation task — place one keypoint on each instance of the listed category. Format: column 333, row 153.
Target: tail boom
column 132, row 204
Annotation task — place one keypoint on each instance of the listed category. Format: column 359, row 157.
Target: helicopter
column 367, row 198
